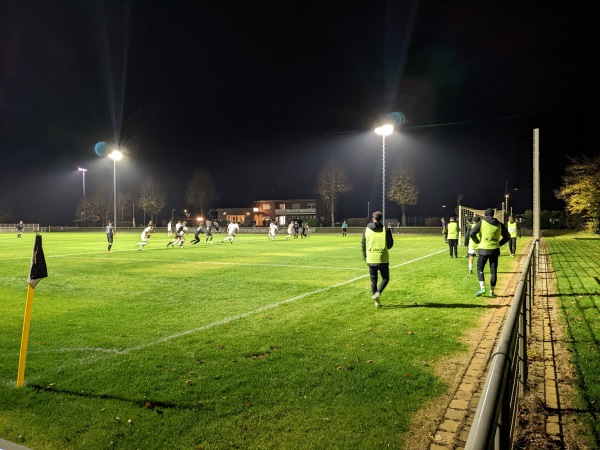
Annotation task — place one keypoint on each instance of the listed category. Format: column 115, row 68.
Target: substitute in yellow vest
column 513, row 229
column 490, row 234
column 472, row 251
column 452, row 234
column 376, row 242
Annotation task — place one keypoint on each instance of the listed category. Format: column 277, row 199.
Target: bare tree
column 403, row 190
column 98, row 206
column 152, row 199
column 331, row 182
column 201, row 191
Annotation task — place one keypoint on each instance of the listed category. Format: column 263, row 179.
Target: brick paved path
column 453, row 428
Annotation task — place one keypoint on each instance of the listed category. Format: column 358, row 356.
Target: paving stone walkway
column 454, row 426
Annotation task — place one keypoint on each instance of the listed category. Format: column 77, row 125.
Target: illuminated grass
column 576, row 260
column 258, row 344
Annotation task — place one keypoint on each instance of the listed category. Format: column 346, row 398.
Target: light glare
column 385, row 130
column 116, row 155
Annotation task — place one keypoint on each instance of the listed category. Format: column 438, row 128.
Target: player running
column 145, row 236
column 273, row 228
column 231, row 229
column 179, row 236
column 290, row 230
column 196, row 239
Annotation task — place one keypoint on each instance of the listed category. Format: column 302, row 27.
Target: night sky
column 262, row 94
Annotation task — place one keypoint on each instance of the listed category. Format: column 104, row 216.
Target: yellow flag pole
column 25, row 336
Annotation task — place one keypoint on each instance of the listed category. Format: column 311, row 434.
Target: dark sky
column 263, row 93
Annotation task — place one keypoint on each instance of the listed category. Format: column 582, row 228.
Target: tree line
column 151, row 199
column 332, row 182
column 580, row 190
column 201, row 193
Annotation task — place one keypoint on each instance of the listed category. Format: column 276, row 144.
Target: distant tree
column 152, row 199
column 94, row 206
column 403, row 190
column 98, row 205
column 331, row 182
column 125, row 204
column 581, row 191
column 201, row 191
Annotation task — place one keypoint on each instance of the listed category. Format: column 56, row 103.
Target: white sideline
column 108, row 352
column 259, row 310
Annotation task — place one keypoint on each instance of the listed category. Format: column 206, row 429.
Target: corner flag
column 38, row 263
column 36, row 273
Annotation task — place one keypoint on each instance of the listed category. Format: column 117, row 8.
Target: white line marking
column 259, row 310
column 107, row 352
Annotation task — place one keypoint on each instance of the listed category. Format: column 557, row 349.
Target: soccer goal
column 466, row 216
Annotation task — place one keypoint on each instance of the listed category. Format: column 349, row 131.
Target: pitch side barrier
column 496, row 416
column 395, row 230
column 12, row 227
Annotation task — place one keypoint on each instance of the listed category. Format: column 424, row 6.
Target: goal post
column 466, row 216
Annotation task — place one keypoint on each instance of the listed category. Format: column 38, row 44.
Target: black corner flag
column 38, row 263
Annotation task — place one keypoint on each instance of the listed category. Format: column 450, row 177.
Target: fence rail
column 12, row 227
column 495, row 419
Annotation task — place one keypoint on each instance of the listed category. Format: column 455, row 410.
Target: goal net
column 466, row 216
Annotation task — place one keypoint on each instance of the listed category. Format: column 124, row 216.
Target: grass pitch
column 576, row 261
column 255, row 344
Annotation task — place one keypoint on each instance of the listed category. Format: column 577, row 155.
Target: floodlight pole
column 116, row 155
column 383, row 177
column 115, row 194
column 83, row 171
column 383, row 131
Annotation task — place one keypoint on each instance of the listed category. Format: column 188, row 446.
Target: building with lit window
column 282, row 211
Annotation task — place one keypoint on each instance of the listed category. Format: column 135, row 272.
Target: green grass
column 576, row 260
column 255, row 345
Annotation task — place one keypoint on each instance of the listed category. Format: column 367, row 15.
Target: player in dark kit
column 196, row 239
column 109, row 235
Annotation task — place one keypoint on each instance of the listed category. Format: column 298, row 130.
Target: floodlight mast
column 115, row 155
column 83, row 171
column 383, row 131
